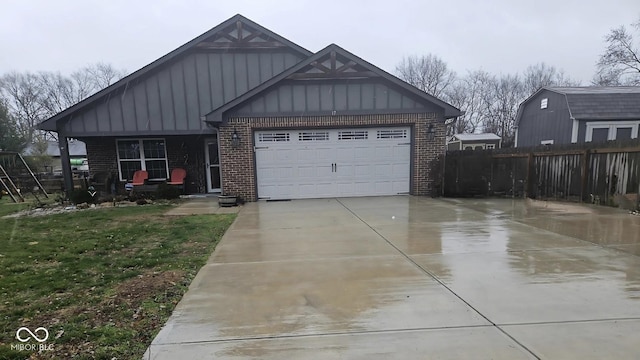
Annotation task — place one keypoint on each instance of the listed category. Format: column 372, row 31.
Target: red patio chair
column 139, row 177
column 177, row 177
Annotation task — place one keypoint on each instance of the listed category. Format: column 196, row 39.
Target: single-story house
column 474, row 141
column 77, row 155
column 249, row 113
column 565, row 115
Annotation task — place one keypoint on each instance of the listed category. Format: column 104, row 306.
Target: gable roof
column 352, row 67
column 596, row 102
column 476, row 137
column 223, row 36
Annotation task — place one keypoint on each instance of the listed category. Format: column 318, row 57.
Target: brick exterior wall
column 238, row 164
column 186, row 152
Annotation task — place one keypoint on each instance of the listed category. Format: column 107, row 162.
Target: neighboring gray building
column 474, row 142
column 565, row 115
column 77, row 155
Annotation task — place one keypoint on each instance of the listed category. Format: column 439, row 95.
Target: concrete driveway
column 408, row 278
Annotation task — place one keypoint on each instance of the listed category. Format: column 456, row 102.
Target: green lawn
column 103, row 282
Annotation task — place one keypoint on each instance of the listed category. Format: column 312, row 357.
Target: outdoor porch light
column 235, row 139
column 431, row 132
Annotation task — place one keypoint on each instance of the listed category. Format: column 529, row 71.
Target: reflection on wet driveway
column 409, row 277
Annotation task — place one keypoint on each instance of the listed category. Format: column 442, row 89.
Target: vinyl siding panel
column 129, row 111
column 179, row 97
column 166, row 100
column 174, row 96
column 153, row 103
column 102, row 111
column 202, row 79
column 115, row 112
column 321, row 97
column 191, row 94
column 141, row 108
column 552, row 123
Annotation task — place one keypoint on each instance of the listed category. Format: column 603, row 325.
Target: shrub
column 168, row 192
column 80, row 196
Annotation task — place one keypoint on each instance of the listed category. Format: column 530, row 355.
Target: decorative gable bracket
column 332, row 66
column 240, row 35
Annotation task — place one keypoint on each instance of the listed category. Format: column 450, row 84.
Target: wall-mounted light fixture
column 235, row 139
column 431, row 132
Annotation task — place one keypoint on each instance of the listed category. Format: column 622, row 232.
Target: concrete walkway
column 410, row 278
column 201, row 206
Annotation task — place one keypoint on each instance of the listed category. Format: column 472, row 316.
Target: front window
column 142, row 154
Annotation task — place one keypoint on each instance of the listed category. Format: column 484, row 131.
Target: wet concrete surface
column 201, row 206
column 412, row 277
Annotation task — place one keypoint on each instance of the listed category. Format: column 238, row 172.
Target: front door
column 212, row 158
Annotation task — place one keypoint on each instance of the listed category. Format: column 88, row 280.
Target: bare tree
column 468, row 94
column 33, row 97
column 501, row 106
column 428, row 73
column 24, row 96
column 540, row 75
column 103, row 74
column 620, row 62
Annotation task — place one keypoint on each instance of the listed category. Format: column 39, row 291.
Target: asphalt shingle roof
column 473, row 137
column 602, row 103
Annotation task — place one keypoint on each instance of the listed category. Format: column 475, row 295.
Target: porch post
column 63, row 145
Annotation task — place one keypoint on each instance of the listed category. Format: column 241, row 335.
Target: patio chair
column 139, row 178
column 177, row 177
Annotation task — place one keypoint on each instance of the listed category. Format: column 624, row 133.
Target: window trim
column 612, row 127
column 142, row 159
column 474, row 144
column 544, row 103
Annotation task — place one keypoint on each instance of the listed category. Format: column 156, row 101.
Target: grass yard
column 102, row 282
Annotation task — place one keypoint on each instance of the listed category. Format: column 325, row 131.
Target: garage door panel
column 383, row 170
column 400, row 187
column 383, row 153
column 401, row 152
column 364, row 170
column 300, row 164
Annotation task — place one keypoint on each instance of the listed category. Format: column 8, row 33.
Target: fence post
column 530, row 172
column 584, row 171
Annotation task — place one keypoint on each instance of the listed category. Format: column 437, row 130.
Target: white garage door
column 297, row 164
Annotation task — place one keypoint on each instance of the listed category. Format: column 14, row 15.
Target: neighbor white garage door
column 297, row 164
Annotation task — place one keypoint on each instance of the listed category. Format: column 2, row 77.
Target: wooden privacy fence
column 604, row 173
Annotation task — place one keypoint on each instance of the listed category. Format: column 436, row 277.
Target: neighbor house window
column 543, row 103
column 142, row 154
column 598, row 131
column 491, row 146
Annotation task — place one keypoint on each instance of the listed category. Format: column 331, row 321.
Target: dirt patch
column 146, row 286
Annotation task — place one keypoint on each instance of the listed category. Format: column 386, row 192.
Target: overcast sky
column 500, row 36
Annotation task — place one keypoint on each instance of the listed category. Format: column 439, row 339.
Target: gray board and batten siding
column 173, row 99
column 170, row 95
column 536, row 123
column 332, row 82
column 319, row 97
column 552, row 123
